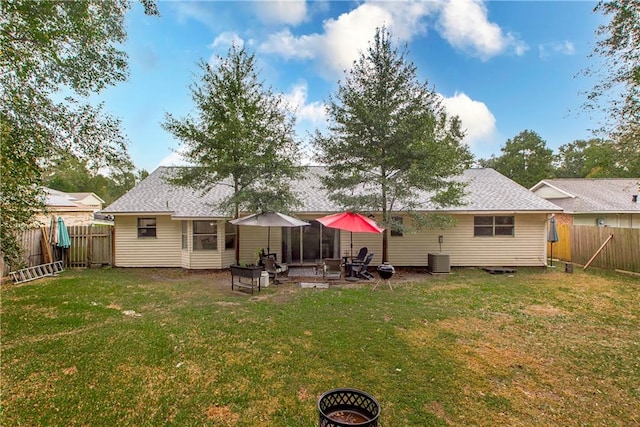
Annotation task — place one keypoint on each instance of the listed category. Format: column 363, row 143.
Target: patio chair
column 275, row 270
column 332, row 268
column 362, row 254
column 360, row 269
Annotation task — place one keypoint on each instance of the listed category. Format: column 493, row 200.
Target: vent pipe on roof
column 634, row 198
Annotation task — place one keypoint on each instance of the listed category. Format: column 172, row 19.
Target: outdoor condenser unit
column 438, row 263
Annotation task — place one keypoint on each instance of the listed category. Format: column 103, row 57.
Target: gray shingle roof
column 595, row 195
column 487, row 190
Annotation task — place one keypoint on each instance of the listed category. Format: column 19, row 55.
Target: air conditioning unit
column 438, row 263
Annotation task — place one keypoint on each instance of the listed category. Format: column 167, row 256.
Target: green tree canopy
column 525, row 159
column 595, row 158
column 73, row 175
column 241, row 135
column 389, row 134
column 49, row 47
column 617, row 70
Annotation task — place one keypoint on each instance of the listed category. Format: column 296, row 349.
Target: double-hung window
column 146, row 227
column 205, row 235
column 494, row 225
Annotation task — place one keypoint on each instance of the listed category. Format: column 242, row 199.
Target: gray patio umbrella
column 553, row 235
column 269, row 219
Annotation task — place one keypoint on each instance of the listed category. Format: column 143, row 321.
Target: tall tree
column 242, row 136
column 390, row 135
column 46, row 47
column 595, row 158
column 617, row 70
column 73, row 175
column 525, row 159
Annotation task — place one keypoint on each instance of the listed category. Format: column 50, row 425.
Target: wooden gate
column 90, row 245
column 561, row 248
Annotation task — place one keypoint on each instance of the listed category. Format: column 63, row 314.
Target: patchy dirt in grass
column 222, row 414
column 544, row 310
column 303, row 394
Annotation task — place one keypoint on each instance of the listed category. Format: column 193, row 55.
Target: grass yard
column 167, row 347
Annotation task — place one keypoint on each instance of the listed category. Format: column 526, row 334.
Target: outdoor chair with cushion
column 332, row 268
column 360, row 269
column 275, row 270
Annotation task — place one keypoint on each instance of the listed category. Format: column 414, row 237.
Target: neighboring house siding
column 620, row 220
column 526, row 248
column 159, row 251
column 70, row 218
column 550, row 193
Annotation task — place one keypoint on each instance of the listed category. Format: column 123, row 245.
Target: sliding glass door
column 306, row 244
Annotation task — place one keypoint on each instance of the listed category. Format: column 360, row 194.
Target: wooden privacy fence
column 91, row 245
column 622, row 252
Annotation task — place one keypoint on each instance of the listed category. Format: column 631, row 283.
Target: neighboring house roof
column 487, row 190
column 591, row 195
column 59, row 199
column 87, row 198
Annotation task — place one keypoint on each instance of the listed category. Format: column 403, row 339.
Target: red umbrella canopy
column 350, row 221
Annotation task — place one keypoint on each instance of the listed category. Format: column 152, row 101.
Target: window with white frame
column 503, row 225
column 184, row 234
column 205, row 235
column 146, row 227
column 229, row 235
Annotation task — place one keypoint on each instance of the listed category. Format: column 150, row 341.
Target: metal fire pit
column 345, row 407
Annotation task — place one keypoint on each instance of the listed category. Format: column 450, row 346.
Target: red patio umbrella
column 350, row 221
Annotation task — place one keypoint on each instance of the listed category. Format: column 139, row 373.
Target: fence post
column 90, row 246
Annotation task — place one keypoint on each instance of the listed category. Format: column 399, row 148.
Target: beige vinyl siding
column 159, row 251
column 526, row 248
column 254, row 238
column 372, row 241
column 209, row 259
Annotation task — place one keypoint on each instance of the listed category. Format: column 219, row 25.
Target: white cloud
column 289, row 46
column 291, row 12
column 314, row 113
column 346, row 36
column 226, row 40
column 198, row 11
column 174, row 159
column 465, row 24
column 476, row 118
column 563, row 48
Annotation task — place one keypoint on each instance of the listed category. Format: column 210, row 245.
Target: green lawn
column 540, row 348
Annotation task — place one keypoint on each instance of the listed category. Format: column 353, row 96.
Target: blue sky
column 502, row 66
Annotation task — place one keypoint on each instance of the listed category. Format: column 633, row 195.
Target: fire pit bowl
column 386, row 271
column 346, row 407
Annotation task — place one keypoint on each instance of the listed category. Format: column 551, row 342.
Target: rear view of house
column 159, row 225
